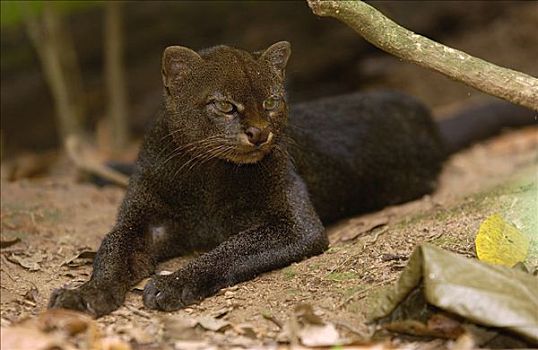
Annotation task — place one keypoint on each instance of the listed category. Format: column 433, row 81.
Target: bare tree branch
column 382, row 32
column 87, row 159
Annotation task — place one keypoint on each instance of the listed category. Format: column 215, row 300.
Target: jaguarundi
column 223, row 171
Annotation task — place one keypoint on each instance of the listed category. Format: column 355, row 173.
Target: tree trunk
column 60, row 67
column 115, row 75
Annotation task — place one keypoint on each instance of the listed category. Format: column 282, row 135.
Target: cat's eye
column 224, row 106
column 271, row 103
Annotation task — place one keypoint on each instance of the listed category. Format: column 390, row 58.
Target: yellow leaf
column 498, row 242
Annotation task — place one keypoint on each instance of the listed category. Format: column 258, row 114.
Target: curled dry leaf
column 358, row 227
column 20, row 337
column 222, row 312
column 446, row 325
column 179, row 327
column 31, row 295
column 273, row 319
column 246, row 330
column 212, row 324
column 8, row 242
column 28, row 262
column 84, row 257
column 306, row 314
column 68, row 321
column 55, row 329
column 364, row 225
column 140, row 285
column 467, row 288
column 317, row 335
column 309, row 328
column 139, row 335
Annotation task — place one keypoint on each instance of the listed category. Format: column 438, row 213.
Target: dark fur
column 353, row 153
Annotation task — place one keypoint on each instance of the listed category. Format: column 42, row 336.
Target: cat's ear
column 277, row 56
column 178, row 61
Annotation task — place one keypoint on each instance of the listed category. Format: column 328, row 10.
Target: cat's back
column 362, row 151
column 340, row 119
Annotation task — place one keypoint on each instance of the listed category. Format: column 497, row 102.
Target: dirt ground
column 55, row 219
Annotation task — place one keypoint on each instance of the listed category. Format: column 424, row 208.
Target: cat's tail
column 480, row 121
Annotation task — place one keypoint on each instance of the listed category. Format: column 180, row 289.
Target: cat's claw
column 171, row 292
column 160, row 294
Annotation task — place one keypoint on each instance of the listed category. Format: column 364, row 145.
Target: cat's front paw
column 171, row 292
column 88, row 298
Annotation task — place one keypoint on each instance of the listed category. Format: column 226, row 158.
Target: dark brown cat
column 215, row 173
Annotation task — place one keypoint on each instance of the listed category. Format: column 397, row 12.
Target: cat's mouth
column 246, row 152
column 247, row 156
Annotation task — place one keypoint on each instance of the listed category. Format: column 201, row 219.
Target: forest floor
column 57, row 224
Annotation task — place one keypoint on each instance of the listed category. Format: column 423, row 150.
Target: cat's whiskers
column 190, row 147
column 217, row 152
column 205, row 152
column 204, row 157
column 291, row 141
column 170, row 142
column 171, row 134
column 295, row 127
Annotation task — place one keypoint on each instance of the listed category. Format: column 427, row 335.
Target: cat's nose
column 256, row 136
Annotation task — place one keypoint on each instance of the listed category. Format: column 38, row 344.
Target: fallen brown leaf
column 83, row 257
column 57, row 329
column 445, row 325
column 31, row 295
column 71, row 322
column 308, row 328
column 28, row 262
column 357, row 227
column 139, row 335
column 179, row 327
column 8, row 242
column 316, row 335
column 22, row 338
column 306, row 314
column 364, row 225
column 140, row 285
column 212, row 324
column 438, row 326
column 221, row 312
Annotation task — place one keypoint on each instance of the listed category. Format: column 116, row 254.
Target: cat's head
column 224, row 102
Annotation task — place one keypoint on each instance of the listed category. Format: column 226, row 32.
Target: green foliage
column 289, row 272
column 12, row 11
column 342, row 276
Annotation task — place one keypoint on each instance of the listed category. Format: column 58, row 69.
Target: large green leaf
column 488, row 295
